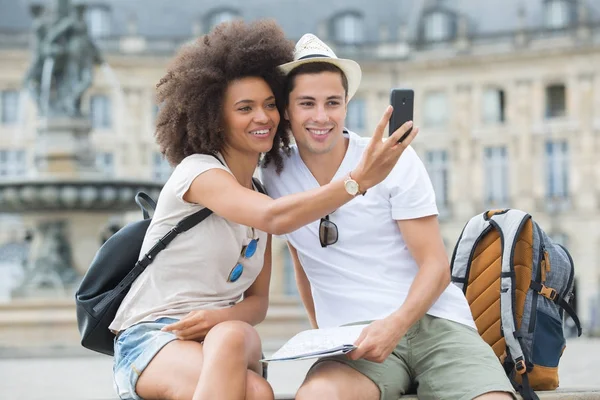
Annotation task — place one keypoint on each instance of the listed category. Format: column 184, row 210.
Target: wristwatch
column 352, row 187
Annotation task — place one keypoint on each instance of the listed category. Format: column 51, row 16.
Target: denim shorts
column 134, row 349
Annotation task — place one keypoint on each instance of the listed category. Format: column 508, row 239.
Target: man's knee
column 333, row 380
column 495, row 396
column 258, row 388
column 318, row 388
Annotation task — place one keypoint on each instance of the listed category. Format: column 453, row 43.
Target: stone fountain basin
column 24, row 196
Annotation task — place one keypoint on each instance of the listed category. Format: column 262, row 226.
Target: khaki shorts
column 442, row 359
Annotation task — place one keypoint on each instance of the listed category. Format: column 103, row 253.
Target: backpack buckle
column 521, row 367
column 548, row 293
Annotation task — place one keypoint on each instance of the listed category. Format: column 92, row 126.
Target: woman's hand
column 196, row 324
column 381, row 155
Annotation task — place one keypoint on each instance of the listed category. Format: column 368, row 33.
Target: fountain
column 65, row 202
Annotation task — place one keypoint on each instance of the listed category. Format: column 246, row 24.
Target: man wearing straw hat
column 379, row 259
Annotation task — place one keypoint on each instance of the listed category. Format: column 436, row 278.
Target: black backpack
column 113, row 270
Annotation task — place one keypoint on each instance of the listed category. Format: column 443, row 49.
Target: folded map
column 316, row 343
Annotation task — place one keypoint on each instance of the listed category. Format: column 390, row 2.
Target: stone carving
column 63, row 60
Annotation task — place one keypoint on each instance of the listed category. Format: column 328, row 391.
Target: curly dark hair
column 192, row 91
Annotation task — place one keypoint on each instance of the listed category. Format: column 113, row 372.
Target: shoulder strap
column 553, row 295
column 184, row 225
column 257, row 183
column 509, row 224
column 259, row 186
column 143, row 200
column 217, row 157
column 475, row 229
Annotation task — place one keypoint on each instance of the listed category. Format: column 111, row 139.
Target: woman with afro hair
column 185, row 329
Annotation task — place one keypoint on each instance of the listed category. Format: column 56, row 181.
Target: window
column 355, row 119
column 556, row 105
column 161, row 170
column 98, row 21
column 12, row 163
column 557, row 14
column 437, row 167
column 105, row 162
column 10, row 107
column 349, row 28
column 436, row 26
column 495, row 165
column 100, row 110
column 493, row 106
column 557, row 169
column 435, row 109
column 221, row 16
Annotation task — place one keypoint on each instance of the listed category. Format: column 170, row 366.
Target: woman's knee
column 257, row 388
column 317, row 389
column 234, row 336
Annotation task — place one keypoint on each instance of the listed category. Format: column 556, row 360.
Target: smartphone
column 402, row 100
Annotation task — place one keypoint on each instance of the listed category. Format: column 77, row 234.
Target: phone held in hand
column 402, row 100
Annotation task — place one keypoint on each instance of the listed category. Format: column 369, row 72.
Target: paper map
column 315, row 343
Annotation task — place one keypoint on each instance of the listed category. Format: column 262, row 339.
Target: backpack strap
column 144, row 201
column 472, row 233
column 258, row 184
column 182, row 226
column 509, row 224
column 553, row 296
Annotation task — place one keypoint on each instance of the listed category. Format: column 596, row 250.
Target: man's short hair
column 310, row 69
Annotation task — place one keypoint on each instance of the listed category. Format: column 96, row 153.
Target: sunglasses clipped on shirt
column 328, row 232
column 247, row 251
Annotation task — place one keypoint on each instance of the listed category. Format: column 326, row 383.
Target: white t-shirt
column 366, row 275
column 191, row 272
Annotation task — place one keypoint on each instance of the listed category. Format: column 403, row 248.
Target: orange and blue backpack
column 518, row 283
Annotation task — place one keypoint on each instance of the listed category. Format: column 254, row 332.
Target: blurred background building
column 506, row 94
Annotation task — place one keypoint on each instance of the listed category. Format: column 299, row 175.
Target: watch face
column 351, row 187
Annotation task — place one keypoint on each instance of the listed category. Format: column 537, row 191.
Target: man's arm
column 303, row 287
column 424, row 241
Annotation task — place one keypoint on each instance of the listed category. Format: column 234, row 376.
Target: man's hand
column 196, row 324
column 381, row 155
column 377, row 341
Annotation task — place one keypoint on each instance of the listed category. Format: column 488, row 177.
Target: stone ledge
column 559, row 394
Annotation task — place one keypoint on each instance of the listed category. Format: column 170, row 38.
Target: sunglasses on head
column 328, row 232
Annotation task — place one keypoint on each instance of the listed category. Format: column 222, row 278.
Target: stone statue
column 33, row 77
column 64, row 57
column 50, row 260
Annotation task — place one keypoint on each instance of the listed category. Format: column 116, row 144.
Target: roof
column 159, row 18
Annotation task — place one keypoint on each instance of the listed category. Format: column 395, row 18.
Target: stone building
column 507, row 94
